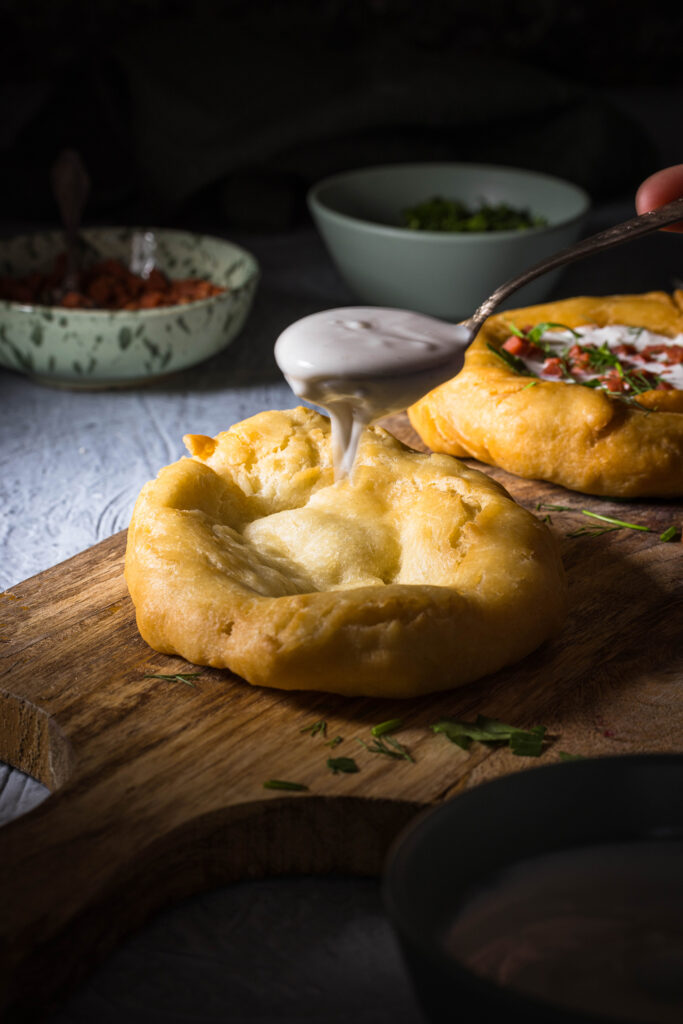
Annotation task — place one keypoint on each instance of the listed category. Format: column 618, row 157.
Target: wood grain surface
column 158, row 785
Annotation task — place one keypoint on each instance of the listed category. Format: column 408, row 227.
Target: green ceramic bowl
column 88, row 348
column 445, row 274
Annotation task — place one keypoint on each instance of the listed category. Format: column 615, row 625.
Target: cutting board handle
column 72, row 885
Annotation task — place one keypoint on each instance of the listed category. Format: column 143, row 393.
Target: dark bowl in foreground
column 621, row 816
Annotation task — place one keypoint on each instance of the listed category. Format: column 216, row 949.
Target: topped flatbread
column 585, row 392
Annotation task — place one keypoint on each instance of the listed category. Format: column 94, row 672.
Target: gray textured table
column 71, row 466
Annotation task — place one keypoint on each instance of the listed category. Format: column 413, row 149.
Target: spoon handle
column 70, row 185
column 616, row 235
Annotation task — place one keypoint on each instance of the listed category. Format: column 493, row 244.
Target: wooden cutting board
column 158, row 784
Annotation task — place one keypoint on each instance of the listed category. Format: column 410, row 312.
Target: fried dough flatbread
column 581, row 438
column 417, row 574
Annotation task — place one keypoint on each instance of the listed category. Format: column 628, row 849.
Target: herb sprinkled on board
column 174, row 677
column 317, row 728
column 294, row 787
column 522, row 742
column 342, row 764
column 610, row 523
column 391, row 725
column 389, row 746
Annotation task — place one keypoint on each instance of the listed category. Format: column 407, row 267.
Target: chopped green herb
column 389, row 746
column 513, row 362
column 564, row 756
column 316, row 728
column 592, row 531
column 174, row 677
column 334, row 742
column 600, row 358
column 295, row 787
column 528, row 743
column 535, row 335
column 342, row 764
column 614, row 524
column 389, row 726
column 531, row 384
column 546, row 505
column 438, row 214
column 523, row 742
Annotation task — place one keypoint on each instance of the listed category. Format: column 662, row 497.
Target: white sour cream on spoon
column 363, row 362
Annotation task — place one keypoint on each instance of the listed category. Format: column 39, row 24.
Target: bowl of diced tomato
column 133, row 305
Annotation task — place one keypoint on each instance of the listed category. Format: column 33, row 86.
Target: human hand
column 661, row 188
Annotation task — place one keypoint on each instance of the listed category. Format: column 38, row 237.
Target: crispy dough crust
column 418, row 575
column 564, row 433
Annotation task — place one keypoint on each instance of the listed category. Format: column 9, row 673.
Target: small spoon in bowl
column 70, row 186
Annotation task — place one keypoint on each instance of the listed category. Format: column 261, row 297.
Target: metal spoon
column 70, row 185
column 636, row 227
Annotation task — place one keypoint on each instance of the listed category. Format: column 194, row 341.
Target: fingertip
column 660, row 188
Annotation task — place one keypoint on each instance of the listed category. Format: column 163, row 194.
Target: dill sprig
column 611, row 524
column 174, row 677
column 318, row 728
column 389, row 746
column 294, row 787
column 512, row 362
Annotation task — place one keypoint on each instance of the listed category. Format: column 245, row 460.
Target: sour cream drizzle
column 363, row 362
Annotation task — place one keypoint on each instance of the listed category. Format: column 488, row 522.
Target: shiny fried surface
column 417, row 574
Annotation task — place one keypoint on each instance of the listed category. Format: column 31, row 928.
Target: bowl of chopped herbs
column 440, row 237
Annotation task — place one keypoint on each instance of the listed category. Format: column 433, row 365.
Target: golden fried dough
column 418, row 574
column 571, row 435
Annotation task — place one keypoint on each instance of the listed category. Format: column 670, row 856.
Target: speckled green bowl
column 99, row 348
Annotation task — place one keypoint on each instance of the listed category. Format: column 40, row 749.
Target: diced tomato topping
column 521, row 347
column 625, row 349
column 74, row 300
column 664, row 385
column 553, row 367
column 613, row 381
column 673, row 354
column 582, row 361
column 670, row 354
column 516, row 346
